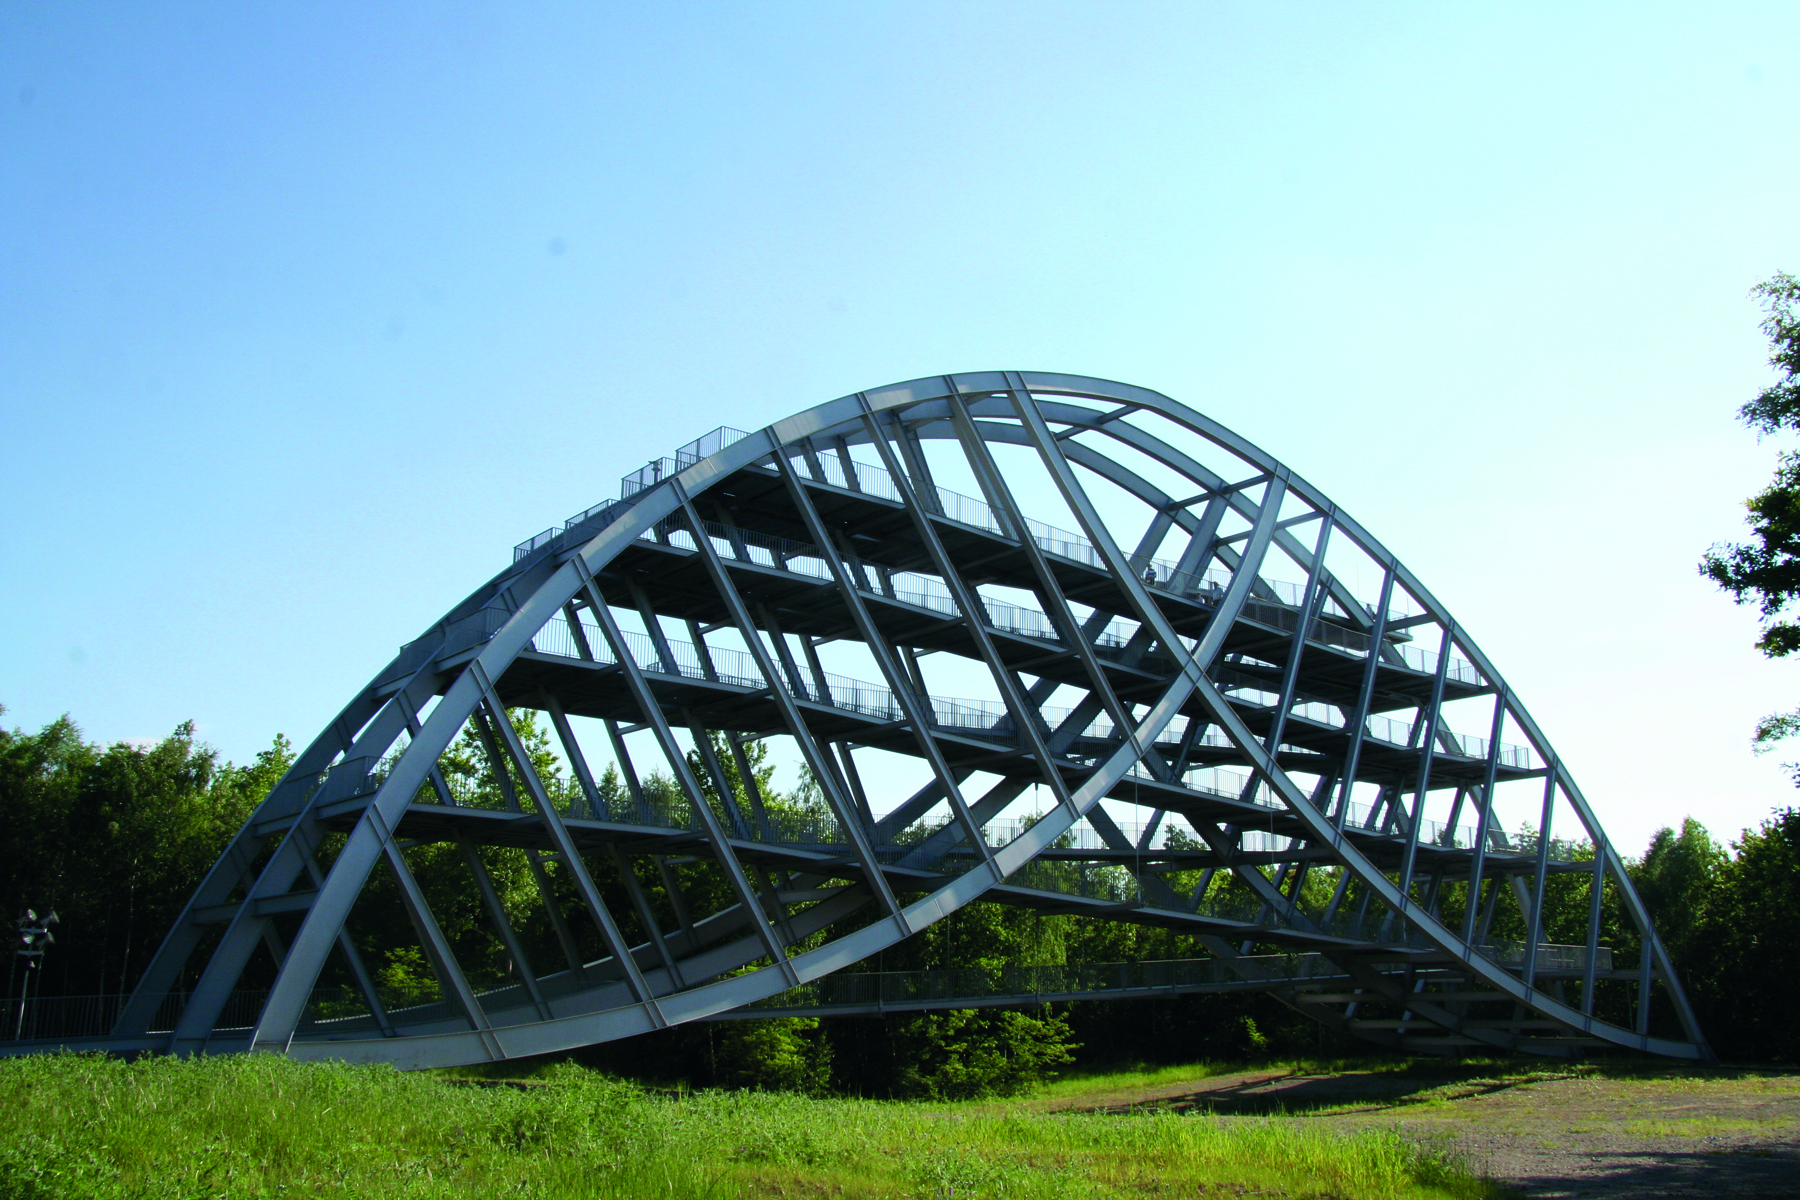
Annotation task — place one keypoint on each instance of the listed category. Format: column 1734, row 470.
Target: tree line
column 116, row 838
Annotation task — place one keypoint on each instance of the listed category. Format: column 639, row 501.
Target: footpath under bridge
column 1217, row 705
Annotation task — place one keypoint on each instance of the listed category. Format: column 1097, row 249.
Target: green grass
column 1694, row 1127
column 264, row 1126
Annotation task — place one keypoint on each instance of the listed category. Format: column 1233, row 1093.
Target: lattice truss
column 1035, row 639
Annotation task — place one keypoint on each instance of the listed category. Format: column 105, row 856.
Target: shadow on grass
column 1372, row 1085
column 1255, row 1088
column 1300, row 1089
column 1327, row 1095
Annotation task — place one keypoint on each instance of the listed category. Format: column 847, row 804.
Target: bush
column 965, row 1053
column 785, row 1054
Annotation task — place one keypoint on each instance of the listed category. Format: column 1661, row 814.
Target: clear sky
column 309, row 312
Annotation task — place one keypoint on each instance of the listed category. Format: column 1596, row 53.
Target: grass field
column 263, row 1126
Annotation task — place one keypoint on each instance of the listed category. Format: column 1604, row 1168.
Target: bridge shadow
column 1742, row 1173
column 1566, row 1143
column 1282, row 1093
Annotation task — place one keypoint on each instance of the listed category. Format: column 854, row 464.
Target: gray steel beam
column 751, row 788
column 721, row 782
column 716, row 837
column 1426, row 727
column 1057, row 606
column 1538, row 877
column 503, row 927
column 1484, row 812
column 534, row 860
column 914, row 704
column 1358, row 724
column 628, row 771
column 1596, row 882
column 590, row 791
column 640, row 903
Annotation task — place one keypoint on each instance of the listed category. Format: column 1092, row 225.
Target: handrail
column 979, row 717
column 645, row 477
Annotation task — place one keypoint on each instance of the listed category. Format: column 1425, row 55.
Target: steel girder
column 1235, row 690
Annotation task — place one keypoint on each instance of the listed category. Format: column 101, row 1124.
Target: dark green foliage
column 1760, row 941
column 1730, row 921
column 1212, row 1027
column 966, row 1053
column 1778, row 406
column 1733, row 933
column 384, row 934
column 1727, row 920
column 1768, row 572
column 946, row 1054
column 787, row 1054
column 115, row 838
column 1679, row 882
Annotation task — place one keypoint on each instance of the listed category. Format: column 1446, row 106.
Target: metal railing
column 1391, row 732
column 659, row 469
column 1549, row 957
column 60, row 1018
column 1277, row 604
column 645, row 477
column 968, row 510
column 982, row 717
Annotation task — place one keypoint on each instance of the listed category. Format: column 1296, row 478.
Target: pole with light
column 35, row 937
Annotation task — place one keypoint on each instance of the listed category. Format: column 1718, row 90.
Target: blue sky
column 307, row 314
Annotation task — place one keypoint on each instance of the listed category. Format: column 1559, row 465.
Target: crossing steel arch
column 1221, row 671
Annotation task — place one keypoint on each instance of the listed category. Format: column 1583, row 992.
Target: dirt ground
column 1549, row 1133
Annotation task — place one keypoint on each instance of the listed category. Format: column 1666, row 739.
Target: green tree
column 1678, row 880
column 1767, row 571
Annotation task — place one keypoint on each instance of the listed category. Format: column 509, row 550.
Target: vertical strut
column 1484, row 812
column 569, row 852
column 1539, row 875
column 1359, row 720
column 796, row 723
column 1428, row 740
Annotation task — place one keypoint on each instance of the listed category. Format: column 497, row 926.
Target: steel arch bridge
column 1037, row 639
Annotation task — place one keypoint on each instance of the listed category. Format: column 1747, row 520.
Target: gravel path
column 1661, row 1133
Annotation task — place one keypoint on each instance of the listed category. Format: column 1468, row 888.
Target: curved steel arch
column 792, row 537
